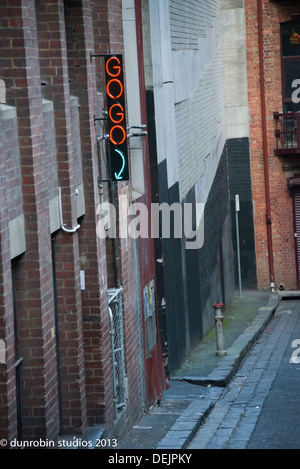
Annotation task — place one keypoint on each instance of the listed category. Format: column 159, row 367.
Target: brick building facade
column 272, row 67
column 69, row 297
column 81, row 346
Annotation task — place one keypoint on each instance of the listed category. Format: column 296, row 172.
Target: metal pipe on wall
column 265, row 145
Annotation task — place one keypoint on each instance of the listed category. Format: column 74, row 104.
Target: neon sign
column 116, row 118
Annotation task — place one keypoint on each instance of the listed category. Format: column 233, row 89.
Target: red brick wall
column 35, row 298
column 280, row 200
column 129, row 256
column 79, row 29
column 45, row 53
column 54, row 72
column 107, row 21
column 8, row 426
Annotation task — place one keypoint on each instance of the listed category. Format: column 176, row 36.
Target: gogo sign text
column 117, row 118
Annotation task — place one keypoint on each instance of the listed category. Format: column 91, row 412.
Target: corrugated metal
column 296, row 202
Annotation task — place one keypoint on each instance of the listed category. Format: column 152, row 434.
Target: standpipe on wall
column 62, row 224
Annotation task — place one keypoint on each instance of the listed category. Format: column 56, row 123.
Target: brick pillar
column 8, row 424
column 18, row 45
column 54, row 72
column 97, row 348
column 280, row 201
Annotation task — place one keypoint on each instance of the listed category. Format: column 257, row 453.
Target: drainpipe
column 265, row 146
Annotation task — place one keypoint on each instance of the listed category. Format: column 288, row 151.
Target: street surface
column 260, row 408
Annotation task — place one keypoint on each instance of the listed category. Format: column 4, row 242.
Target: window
column 290, row 46
column 287, row 130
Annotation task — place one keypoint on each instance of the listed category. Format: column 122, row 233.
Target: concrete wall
column 237, row 120
column 192, row 103
column 235, row 69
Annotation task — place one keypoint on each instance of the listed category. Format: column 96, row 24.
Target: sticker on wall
column 2, row 351
column 150, row 316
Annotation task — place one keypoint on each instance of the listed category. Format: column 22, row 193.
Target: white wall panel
column 199, row 91
column 198, row 64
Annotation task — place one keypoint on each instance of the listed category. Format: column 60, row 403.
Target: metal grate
column 115, row 309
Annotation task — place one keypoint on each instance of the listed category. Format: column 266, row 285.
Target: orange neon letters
column 113, row 113
column 115, row 67
column 121, row 138
column 117, row 129
column 116, row 112
column 108, row 88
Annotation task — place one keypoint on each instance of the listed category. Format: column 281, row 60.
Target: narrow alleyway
column 203, row 379
column 260, row 407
